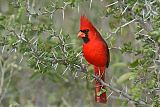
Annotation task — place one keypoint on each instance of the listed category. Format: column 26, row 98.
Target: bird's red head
column 85, row 27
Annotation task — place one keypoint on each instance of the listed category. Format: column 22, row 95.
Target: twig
column 111, row 4
column 65, row 102
column 147, row 36
column 118, row 28
column 115, row 48
column 2, row 80
column 124, row 25
column 124, row 10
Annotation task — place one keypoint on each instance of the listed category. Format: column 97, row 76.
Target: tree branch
column 141, row 102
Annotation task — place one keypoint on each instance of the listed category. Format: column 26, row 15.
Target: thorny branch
column 141, row 102
column 30, row 10
column 118, row 28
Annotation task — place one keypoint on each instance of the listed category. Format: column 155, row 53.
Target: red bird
column 96, row 52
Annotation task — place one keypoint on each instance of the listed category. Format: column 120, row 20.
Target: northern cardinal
column 96, row 52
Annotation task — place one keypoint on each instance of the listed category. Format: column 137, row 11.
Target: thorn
column 3, row 49
column 21, row 60
column 55, row 66
column 65, row 70
column 78, row 8
column 90, row 5
column 76, row 75
column 109, row 95
column 111, row 4
column 63, row 14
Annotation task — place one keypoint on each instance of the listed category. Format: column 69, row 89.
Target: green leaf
column 2, row 27
column 119, row 64
column 101, row 91
column 134, row 64
column 2, row 18
column 136, row 92
column 125, row 77
column 158, row 39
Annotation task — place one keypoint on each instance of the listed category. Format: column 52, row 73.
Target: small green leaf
column 125, row 77
column 2, row 18
column 134, row 64
column 101, row 91
column 2, row 27
column 119, row 64
column 158, row 39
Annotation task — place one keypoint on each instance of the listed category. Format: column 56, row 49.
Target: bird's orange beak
column 81, row 34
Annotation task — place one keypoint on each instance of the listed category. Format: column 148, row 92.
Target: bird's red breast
column 95, row 52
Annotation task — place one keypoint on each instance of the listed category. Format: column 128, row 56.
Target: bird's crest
column 85, row 23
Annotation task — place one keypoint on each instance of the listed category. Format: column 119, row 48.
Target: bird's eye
column 85, row 31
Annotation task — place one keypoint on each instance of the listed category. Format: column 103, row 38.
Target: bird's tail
column 102, row 98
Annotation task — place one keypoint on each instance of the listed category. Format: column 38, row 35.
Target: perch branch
column 141, row 102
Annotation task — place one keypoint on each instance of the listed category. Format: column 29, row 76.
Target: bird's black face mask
column 85, row 35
